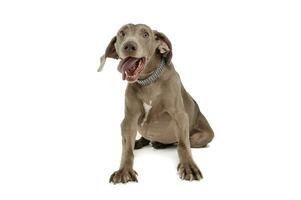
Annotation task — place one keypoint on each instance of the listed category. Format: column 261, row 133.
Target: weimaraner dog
column 156, row 103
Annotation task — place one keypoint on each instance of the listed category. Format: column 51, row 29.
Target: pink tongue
column 129, row 65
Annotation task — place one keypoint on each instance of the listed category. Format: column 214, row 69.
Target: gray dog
column 156, row 103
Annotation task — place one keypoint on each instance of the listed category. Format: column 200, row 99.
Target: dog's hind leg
column 202, row 134
column 158, row 145
column 200, row 139
column 141, row 143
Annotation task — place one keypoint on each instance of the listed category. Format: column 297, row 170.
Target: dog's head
column 135, row 45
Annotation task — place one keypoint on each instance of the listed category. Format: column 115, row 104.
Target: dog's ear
column 109, row 53
column 164, row 46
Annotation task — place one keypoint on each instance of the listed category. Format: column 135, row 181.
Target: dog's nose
column 130, row 47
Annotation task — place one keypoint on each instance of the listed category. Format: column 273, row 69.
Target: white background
column 59, row 131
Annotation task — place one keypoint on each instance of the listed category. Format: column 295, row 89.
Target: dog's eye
column 145, row 35
column 121, row 33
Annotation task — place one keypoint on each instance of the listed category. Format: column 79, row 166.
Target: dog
column 156, row 103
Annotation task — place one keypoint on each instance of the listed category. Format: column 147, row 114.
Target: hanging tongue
column 128, row 65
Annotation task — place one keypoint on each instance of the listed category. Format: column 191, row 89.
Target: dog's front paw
column 189, row 171
column 124, row 176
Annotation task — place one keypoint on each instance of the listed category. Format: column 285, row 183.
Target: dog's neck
column 156, row 67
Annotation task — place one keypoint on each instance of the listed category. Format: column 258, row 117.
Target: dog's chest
column 155, row 123
column 147, row 108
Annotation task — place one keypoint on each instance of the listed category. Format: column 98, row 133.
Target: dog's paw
column 189, row 171
column 124, row 176
column 141, row 143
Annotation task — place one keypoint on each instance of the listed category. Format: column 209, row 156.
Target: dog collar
column 154, row 75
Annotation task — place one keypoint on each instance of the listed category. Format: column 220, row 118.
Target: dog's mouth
column 130, row 67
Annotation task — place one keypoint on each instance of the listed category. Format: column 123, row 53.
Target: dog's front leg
column 187, row 168
column 129, row 132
